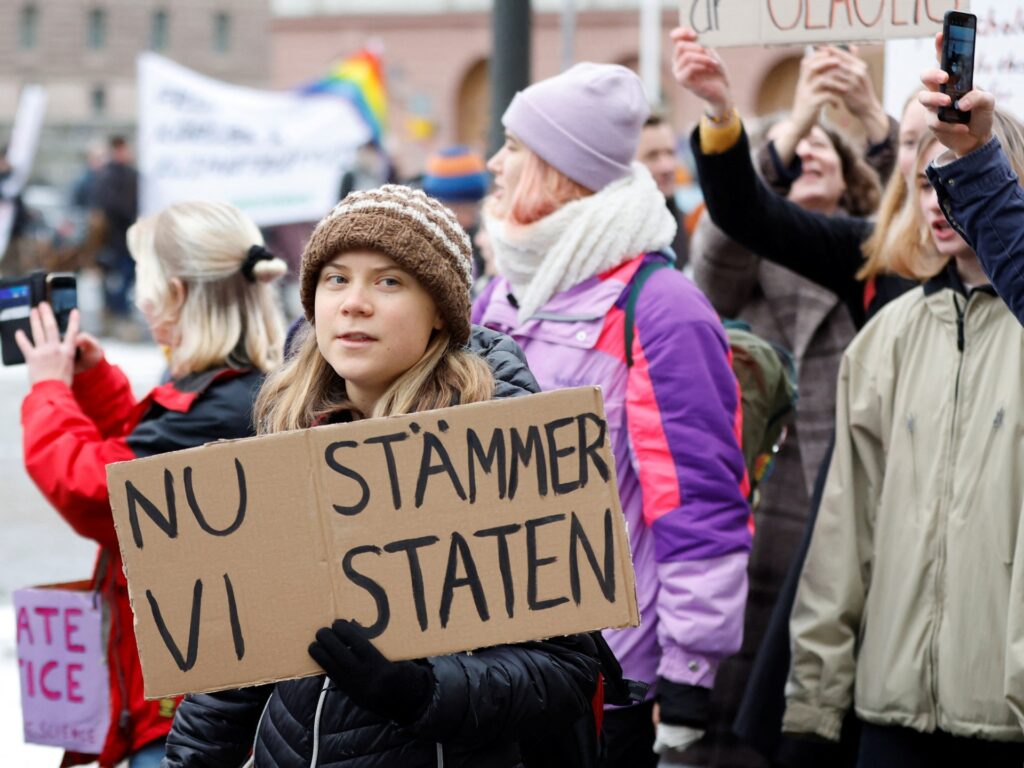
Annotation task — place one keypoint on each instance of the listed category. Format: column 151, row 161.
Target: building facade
column 84, row 52
column 436, row 60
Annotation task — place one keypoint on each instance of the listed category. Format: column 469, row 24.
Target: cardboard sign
column 439, row 532
column 21, row 152
column 998, row 58
column 277, row 156
column 65, row 693
column 724, row 23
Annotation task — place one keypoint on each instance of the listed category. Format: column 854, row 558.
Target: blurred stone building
column 436, row 59
column 84, row 51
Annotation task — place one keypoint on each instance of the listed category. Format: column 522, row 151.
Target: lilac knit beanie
column 585, row 122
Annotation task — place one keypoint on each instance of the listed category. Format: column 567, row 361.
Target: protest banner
column 63, row 665
column 998, row 58
column 21, row 152
column 724, row 23
column 438, row 532
column 277, row 156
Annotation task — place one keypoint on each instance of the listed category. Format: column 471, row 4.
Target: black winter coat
column 824, row 249
column 488, row 708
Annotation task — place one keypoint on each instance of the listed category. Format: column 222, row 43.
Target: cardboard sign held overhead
column 724, row 23
column 439, row 532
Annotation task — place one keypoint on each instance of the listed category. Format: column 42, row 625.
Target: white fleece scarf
column 581, row 239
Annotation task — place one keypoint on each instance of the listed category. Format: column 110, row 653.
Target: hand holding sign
column 700, row 71
column 962, row 138
column 397, row 690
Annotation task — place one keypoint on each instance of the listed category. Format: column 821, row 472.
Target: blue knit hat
column 456, row 175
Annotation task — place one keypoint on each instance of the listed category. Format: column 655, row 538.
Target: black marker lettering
column 168, row 525
column 460, row 550
column 184, row 664
column 389, row 455
column 380, row 597
column 409, row 546
column 495, row 454
column 555, row 453
column 236, row 627
column 504, row 564
column 605, row 580
column 522, row 452
column 341, row 469
column 534, row 563
column 432, row 444
column 591, row 450
column 190, row 496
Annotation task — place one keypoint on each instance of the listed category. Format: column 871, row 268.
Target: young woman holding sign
column 204, row 287
column 385, row 285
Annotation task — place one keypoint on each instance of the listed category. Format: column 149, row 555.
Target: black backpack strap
column 639, row 278
column 618, row 690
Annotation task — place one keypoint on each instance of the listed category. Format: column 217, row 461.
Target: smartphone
column 15, row 305
column 62, row 293
column 958, row 35
column 17, row 297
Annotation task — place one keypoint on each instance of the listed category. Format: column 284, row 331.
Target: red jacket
column 70, row 436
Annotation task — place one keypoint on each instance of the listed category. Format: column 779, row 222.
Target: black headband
column 256, row 253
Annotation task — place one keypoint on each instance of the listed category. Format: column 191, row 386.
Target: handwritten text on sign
column 62, row 661
column 439, row 532
column 722, row 23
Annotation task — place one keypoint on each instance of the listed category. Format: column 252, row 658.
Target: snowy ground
column 37, row 547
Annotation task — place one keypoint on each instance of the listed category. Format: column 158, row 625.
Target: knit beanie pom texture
column 420, row 234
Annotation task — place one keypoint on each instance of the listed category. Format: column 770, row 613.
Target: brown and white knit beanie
column 419, row 233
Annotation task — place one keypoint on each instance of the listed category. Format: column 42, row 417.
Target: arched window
column 221, row 32
column 96, row 29
column 28, row 27
column 159, row 32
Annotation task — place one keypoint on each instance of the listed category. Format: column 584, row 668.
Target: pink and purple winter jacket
column 674, row 422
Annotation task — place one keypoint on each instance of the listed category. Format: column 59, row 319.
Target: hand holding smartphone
column 959, row 31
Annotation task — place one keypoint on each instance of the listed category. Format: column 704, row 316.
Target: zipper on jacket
column 316, row 722
column 945, row 501
column 440, row 755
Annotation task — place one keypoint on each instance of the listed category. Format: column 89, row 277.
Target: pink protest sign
column 65, row 691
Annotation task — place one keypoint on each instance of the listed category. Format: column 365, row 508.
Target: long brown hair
column 306, row 390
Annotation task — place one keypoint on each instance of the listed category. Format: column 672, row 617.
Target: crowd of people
column 861, row 607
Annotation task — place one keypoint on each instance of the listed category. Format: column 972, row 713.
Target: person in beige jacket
column 911, row 603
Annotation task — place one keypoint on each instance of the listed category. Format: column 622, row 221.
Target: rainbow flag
column 360, row 79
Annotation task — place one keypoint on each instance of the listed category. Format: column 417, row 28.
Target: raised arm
column 825, row 250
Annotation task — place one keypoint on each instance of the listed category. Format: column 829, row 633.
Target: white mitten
column 675, row 738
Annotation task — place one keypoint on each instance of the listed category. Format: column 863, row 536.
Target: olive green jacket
column 911, row 602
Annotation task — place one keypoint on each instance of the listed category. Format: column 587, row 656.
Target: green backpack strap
column 639, row 278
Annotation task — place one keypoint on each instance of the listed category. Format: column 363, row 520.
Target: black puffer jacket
column 484, row 703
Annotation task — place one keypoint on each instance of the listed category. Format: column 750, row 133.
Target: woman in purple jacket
column 572, row 223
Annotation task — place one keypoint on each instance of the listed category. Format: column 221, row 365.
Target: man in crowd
column 657, row 150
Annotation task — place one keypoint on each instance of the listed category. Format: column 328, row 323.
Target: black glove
column 398, row 691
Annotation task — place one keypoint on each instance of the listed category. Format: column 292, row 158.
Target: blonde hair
column 225, row 318
column 896, row 244
column 306, row 390
column 908, row 247
column 542, row 190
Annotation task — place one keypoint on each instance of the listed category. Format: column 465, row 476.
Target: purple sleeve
column 683, row 420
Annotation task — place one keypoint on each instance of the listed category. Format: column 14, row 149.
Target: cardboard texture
column 444, row 531
column 725, row 23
